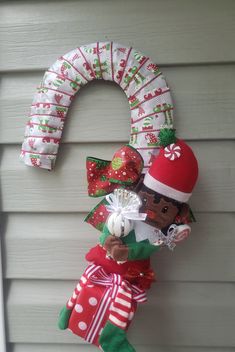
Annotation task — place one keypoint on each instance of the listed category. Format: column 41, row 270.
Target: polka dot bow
column 104, row 176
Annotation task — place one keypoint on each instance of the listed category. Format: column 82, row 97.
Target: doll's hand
column 110, row 242
column 64, row 318
column 119, row 252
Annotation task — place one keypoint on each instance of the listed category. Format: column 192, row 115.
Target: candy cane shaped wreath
column 141, row 80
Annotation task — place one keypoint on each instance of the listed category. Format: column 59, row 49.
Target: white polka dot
column 79, row 308
column 93, row 301
column 123, row 153
column 124, row 173
column 82, row 325
column 101, row 213
column 91, row 175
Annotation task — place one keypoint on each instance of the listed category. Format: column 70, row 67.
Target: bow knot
column 141, row 277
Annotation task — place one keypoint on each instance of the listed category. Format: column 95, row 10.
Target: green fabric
column 137, row 250
column 64, row 318
column 104, row 235
column 141, row 250
column 113, row 339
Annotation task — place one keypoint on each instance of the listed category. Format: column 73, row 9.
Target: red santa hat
column 174, row 171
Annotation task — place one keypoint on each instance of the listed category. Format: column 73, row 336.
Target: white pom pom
column 124, row 208
column 128, row 226
column 118, row 225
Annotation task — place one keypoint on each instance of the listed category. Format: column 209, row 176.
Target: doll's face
column 160, row 210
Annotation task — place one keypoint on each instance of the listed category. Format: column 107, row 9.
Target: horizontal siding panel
column 29, row 189
column 204, row 109
column 182, row 314
column 49, row 246
column 192, row 305
column 169, row 31
column 90, row 348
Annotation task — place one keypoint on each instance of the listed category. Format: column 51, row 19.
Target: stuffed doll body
column 106, row 297
column 105, row 300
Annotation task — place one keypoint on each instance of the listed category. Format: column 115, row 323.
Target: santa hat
column 174, row 171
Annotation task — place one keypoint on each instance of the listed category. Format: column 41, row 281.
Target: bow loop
column 98, row 276
column 104, row 176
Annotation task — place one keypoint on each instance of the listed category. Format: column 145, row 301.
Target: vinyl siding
column 44, row 238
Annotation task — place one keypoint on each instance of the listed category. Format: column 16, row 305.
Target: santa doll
column 141, row 221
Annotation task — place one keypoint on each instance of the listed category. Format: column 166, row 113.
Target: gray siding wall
column 44, row 239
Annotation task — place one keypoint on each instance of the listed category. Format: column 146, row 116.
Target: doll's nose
column 151, row 214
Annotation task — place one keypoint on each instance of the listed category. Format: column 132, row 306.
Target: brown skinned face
column 161, row 212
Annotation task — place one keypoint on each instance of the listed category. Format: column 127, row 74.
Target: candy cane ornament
column 142, row 214
column 144, row 85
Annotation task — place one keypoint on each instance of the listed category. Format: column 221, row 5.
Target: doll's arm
column 129, row 251
column 141, row 250
column 132, row 251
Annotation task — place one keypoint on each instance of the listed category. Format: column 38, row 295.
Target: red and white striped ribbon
column 119, row 298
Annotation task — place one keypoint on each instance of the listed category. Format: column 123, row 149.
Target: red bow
column 142, row 277
column 104, row 176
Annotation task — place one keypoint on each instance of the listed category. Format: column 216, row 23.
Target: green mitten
column 113, row 339
column 64, row 318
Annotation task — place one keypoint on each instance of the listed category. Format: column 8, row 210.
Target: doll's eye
column 145, row 200
column 164, row 210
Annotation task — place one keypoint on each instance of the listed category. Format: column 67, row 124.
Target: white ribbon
column 174, row 234
column 125, row 203
column 169, row 239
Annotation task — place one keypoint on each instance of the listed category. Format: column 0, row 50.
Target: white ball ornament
column 118, row 225
column 124, row 209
